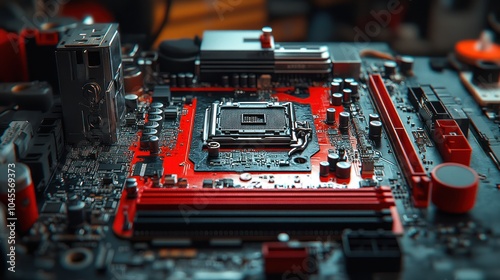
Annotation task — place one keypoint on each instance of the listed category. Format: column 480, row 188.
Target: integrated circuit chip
column 254, row 123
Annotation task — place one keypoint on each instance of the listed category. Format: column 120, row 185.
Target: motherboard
column 262, row 160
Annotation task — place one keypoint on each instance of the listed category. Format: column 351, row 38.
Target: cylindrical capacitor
column 406, row 65
column 373, row 117
column 343, row 170
column 337, row 99
column 144, row 142
column 173, row 80
column 76, row 214
column 156, row 105
column 354, row 86
column 334, row 87
column 154, row 145
column 225, row 81
column 252, row 81
column 330, row 115
column 133, row 80
column 347, row 82
column 131, row 187
column 131, row 102
column 15, row 178
column 375, row 130
column 454, row 187
column 333, row 158
column 340, row 81
column 389, row 68
column 181, row 80
column 189, row 79
column 344, row 119
column 346, row 96
column 149, row 132
column 155, row 111
column 157, row 119
column 244, row 80
column 236, row 80
column 213, row 149
column 151, row 125
column 324, row 168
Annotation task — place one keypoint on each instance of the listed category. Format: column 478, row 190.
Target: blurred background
column 422, row 27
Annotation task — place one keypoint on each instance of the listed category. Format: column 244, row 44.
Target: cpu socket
column 250, row 123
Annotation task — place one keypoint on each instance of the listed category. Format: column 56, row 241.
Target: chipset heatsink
column 253, row 123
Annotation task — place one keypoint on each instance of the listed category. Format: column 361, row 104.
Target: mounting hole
column 20, row 87
column 300, row 160
column 77, row 258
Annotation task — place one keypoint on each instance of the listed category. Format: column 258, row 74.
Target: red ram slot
column 451, row 142
column 405, row 151
column 261, row 199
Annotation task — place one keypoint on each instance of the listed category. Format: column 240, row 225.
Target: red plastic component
column 451, row 142
column 405, row 151
column 454, row 187
column 280, row 258
column 11, row 68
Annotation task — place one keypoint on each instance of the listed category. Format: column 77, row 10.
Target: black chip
column 52, row 207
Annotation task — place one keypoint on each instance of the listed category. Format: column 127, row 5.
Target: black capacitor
column 244, row 80
column 346, row 96
column 333, row 158
column 337, row 99
column 375, row 130
column 189, row 79
column 181, row 80
column 340, row 81
column 330, row 115
column 151, row 125
column 131, row 187
column 156, row 105
column 225, row 81
column 173, row 80
column 131, row 102
column 154, row 145
column 324, row 168
column 347, row 82
column 486, row 73
column 75, row 214
column 213, row 149
column 373, row 117
column 149, row 132
column 406, row 65
column 236, row 80
column 354, row 86
column 334, row 87
column 252, row 81
column 155, row 111
column 344, row 119
column 389, row 68
column 144, row 142
column 158, row 119
column 343, row 170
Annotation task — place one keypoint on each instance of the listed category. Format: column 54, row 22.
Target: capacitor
column 244, row 80
column 236, row 80
column 76, row 214
column 354, row 86
column 454, row 187
column 154, row 145
column 155, row 111
column 337, row 99
column 151, row 125
column 333, row 158
column 347, row 82
column 181, row 80
column 156, row 105
column 131, row 187
column 173, row 80
column 346, row 96
column 189, row 79
column 133, row 80
column 340, row 81
column 225, row 81
column 334, row 87
column 157, row 119
column 144, row 142
column 406, row 65
column 389, row 68
column 252, row 81
column 149, row 132
column 330, row 115
column 344, row 119
column 343, row 170
column 373, row 117
column 213, row 149
column 324, row 168
column 375, row 130
column 15, row 177
column 131, row 102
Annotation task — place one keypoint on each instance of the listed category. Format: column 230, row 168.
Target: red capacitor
column 454, row 187
column 20, row 203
